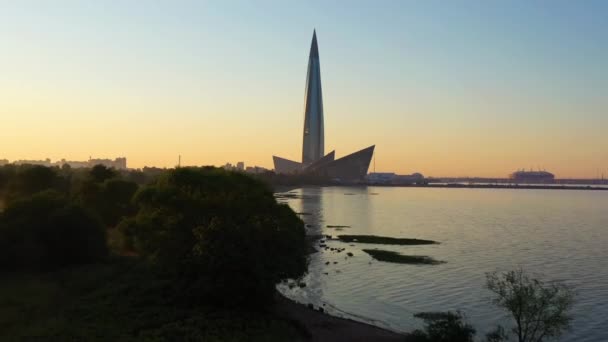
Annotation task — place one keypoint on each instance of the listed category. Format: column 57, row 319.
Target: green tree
column 443, row 327
column 221, row 235
column 45, row 231
column 30, row 179
column 100, row 173
column 115, row 200
column 540, row 310
column 110, row 199
column 7, row 172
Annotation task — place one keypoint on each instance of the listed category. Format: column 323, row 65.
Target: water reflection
column 560, row 234
column 320, row 208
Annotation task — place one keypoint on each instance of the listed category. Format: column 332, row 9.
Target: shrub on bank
column 220, row 235
column 443, row 327
column 45, row 231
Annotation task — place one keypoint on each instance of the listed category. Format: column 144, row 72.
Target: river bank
column 320, row 326
column 122, row 300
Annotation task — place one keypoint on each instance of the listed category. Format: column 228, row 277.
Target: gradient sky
column 445, row 88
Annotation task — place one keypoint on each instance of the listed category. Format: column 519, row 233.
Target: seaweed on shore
column 395, row 257
column 337, row 226
column 384, row 240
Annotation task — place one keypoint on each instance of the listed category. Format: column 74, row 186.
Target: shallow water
column 554, row 234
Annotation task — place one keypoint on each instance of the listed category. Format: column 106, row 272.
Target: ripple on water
column 560, row 235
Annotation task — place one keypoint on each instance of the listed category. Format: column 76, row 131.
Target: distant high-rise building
column 118, row 163
column 313, row 146
column 314, row 161
column 240, row 166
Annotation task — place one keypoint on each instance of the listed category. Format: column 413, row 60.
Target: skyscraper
column 351, row 168
column 313, row 145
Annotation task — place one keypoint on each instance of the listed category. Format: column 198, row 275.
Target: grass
column 383, row 240
column 394, row 257
column 121, row 300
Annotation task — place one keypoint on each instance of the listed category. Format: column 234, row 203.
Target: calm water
column 555, row 234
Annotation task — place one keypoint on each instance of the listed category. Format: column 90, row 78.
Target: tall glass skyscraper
column 313, row 146
column 351, row 168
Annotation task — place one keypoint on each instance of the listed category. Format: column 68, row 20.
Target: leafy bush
column 539, row 310
column 106, row 195
column 30, row 179
column 221, row 235
column 497, row 335
column 45, row 231
column 100, row 173
column 443, row 327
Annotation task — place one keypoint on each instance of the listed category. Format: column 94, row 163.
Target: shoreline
column 497, row 186
column 282, row 189
column 321, row 326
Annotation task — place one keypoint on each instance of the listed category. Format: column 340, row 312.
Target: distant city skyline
column 119, row 163
column 445, row 89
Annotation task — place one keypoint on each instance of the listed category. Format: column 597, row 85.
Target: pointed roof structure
column 351, row 168
column 314, row 48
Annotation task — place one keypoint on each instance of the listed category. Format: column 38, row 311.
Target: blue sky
column 444, row 88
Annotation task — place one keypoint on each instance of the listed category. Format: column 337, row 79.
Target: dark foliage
column 101, row 173
column 117, row 195
column 7, row 172
column 122, row 301
column 497, row 335
column 111, row 200
column 443, row 327
column 30, row 179
column 539, row 310
column 220, row 235
column 45, row 231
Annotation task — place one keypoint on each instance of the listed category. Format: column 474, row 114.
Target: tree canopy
column 443, row 327
column 45, row 231
column 540, row 310
column 217, row 232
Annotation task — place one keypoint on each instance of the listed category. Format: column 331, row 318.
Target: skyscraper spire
column 313, row 146
column 351, row 168
column 314, row 49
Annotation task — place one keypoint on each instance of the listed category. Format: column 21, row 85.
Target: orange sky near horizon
column 419, row 139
